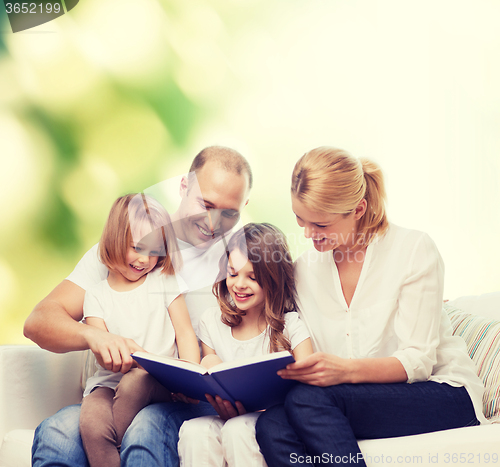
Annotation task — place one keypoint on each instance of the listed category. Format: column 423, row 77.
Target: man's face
column 211, row 204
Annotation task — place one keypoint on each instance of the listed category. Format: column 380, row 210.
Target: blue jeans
column 151, row 439
column 326, row 422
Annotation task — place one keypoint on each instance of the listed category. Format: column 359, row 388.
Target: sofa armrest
column 35, row 384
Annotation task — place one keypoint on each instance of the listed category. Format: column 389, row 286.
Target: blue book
column 252, row 381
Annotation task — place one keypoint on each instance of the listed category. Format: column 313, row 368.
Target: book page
column 172, row 361
column 248, row 361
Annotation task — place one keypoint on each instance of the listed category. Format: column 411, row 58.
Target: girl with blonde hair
column 370, row 293
column 141, row 300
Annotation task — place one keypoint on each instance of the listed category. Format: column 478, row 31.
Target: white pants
column 209, row 441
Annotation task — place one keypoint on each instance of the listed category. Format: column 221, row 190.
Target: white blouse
column 396, row 311
column 219, row 336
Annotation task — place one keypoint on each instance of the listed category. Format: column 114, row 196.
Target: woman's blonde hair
column 128, row 214
column 331, row 181
column 266, row 248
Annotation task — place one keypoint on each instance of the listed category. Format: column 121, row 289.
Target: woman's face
column 328, row 231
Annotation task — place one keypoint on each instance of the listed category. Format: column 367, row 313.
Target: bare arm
column 320, row 369
column 97, row 322
column 186, row 340
column 210, row 358
column 54, row 325
column 224, row 408
column 54, row 322
column 303, row 350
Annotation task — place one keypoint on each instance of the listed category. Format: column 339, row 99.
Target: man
column 212, row 197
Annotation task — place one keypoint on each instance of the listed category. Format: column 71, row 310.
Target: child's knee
column 136, row 381
column 135, row 378
column 239, row 428
column 200, row 428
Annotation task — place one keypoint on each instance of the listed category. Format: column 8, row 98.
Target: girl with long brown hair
column 256, row 315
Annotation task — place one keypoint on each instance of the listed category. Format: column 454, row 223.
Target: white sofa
column 34, row 384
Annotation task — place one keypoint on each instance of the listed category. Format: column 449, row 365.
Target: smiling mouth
column 136, row 268
column 207, row 233
column 243, row 295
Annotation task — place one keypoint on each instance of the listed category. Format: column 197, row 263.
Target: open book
column 252, row 381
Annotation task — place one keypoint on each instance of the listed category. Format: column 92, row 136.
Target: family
column 361, row 312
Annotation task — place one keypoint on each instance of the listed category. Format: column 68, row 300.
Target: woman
column 371, row 295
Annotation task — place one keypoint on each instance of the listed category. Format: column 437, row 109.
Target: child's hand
column 182, row 398
column 224, row 408
column 210, row 360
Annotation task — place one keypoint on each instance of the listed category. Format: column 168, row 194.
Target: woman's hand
column 224, row 408
column 319, row 369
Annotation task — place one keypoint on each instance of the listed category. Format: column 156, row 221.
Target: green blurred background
column 119, row 95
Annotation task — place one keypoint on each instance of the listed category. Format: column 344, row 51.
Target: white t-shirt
column 199, row 271
column 140, row 314
column 219, row 336
column 396, row 310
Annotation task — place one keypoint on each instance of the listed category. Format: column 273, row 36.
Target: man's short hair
column 227, row 158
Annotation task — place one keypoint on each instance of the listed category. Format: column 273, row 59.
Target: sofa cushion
column 16, row 448
column 487, row 305
column 482, row 336
column 89, row 367
column 471, row 445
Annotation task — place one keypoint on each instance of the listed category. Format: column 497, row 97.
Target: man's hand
column 224, row 408
column 111, row 351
